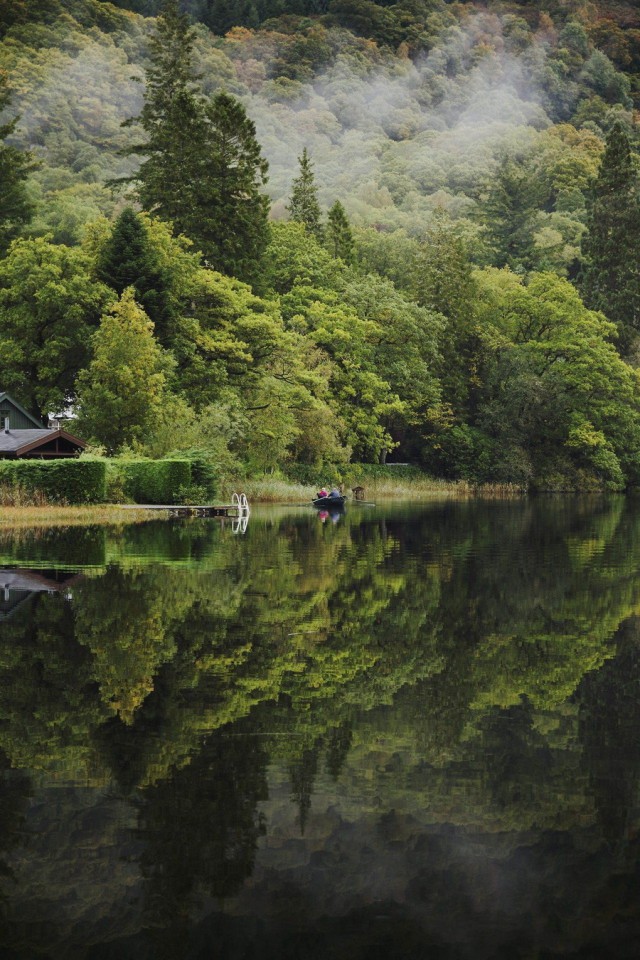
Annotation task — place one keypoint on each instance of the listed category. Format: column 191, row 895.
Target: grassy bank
column 36, row 512
column 60, row 516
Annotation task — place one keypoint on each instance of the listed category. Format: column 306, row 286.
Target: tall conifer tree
column 231, row 224
column 127, row 259
column 513, row 200
column 303, row 203
column 611, row 276
column 173, row 118
column 339, row 235
column 203, row 169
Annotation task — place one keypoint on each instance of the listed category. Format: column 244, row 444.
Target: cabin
column 22, row 435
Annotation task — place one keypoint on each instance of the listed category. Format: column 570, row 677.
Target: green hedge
column 153, row 481
column 64, row 481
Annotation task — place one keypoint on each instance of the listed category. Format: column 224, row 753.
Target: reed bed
column 270, row 490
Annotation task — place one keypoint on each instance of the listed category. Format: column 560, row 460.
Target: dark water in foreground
column 412, row 733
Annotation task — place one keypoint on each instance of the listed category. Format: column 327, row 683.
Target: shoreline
column 267, row 492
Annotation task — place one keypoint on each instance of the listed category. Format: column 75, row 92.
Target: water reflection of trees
column 186, row 661
column 483, row 606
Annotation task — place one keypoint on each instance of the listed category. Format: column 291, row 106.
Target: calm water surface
column 409, row 733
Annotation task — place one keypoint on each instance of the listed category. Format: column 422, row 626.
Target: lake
column 398, row 732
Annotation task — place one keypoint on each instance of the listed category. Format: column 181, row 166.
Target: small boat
column 329, row 503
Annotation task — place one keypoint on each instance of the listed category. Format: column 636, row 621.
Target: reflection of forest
column 433, row 710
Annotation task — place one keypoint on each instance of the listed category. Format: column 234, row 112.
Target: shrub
column 60, row 481
column 204, row 473
column 153, row 481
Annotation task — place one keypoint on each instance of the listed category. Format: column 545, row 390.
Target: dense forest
column 292, row 234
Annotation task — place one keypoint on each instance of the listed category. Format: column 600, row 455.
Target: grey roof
column 6, row 396
column 15, row 440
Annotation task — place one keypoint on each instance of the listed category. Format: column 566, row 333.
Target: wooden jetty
column 238, row 509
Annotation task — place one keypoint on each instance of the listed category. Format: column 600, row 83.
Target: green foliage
column 611, row 275
column 128, row 259
column 49, row 308
column 294, row 256
column 339, row 236
column 303, row 204
column 442, row 281
column 61, row 481
column 16, row 208
column 483, row 152
column 172, row 119
column 231, row 217
column 202, row 169
column 155, row 481
column 122, row 391
column 514, row 197
column 554, row 387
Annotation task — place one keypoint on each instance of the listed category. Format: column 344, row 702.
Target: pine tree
column 127, row 259
column 610, row 279
column 339, row 236
column 303, row 203
column 173, row 118
column 231, row 220
column 203, row 169
column 514, row 198
column 15, row 165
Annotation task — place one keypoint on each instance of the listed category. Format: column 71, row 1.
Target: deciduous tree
column 123, row 390
column 49, row 306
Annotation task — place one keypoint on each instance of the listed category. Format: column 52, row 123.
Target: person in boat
column 335, row 492
column 322, row 493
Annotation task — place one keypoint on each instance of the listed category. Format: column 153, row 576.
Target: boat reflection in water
column 333, row 515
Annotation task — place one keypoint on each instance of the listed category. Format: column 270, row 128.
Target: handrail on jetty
column 238, row 509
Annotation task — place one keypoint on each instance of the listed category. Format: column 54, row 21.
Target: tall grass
column 18, row 496
column 271, row 490
column 34, row 517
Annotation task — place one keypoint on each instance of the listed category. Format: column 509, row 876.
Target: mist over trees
column 353, row 230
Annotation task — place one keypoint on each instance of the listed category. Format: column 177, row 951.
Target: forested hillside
column 320, row 230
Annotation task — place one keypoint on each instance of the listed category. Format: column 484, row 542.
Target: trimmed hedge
column 65, row 481
column 85, row 481
column 153, row 481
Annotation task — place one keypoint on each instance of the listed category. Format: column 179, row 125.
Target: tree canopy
column 410, row 291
